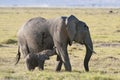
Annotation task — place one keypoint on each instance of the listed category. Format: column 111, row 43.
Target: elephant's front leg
column 41, row 65
column 66, row 62
column 59, row 64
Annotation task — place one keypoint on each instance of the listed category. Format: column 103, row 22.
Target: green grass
column 105, row 32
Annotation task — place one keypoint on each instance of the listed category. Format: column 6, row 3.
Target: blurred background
column 61, row 3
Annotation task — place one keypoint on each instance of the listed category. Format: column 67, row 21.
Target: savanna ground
column 104, row 25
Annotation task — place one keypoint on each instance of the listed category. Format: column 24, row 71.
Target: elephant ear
column 71, row 23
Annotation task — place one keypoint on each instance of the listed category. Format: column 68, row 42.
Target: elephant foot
column 41, row 65
column 67, row 67
column 30, row 69
column 59, row 65
column 41, row 68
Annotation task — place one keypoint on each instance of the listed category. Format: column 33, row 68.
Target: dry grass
column 105, row 30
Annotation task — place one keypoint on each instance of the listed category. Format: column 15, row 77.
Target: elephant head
column 78, row 31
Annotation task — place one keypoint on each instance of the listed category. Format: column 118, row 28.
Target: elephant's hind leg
column 59, row 64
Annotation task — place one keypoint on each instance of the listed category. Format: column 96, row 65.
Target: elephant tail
column 18, row 55
column 25, row 52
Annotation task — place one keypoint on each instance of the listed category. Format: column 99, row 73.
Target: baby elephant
column 37, row 59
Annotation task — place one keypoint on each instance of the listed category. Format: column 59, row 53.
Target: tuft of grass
column 1, row 45
column 10, row 41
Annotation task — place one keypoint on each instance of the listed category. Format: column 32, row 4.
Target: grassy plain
column 104, row 25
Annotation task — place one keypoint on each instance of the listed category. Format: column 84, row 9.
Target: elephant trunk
column 52, row 52
column 89, row 51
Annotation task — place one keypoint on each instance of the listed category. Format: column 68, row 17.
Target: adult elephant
column 39, row 34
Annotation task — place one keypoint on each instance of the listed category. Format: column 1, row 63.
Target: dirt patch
column 3, row 60
column 107, row 58
column 117, row 31
column 1, row 45
column 108, row 45
column 111, row 58
column 111, row 11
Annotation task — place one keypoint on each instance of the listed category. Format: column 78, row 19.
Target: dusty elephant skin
column 39, row 34
column 37, row 59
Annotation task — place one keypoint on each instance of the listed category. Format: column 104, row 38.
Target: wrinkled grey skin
column 37, row 59
column 40, row 34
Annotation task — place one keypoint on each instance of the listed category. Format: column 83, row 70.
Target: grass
column 104, row 26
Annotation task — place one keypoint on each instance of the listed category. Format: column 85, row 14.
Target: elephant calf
column 37, row 59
